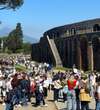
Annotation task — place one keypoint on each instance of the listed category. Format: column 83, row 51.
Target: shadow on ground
column 63, row 109
column 50, row 100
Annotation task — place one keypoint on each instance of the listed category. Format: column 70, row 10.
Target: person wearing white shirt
column 8, row 85
column 98, row 97
column 0, row 90
column 45, row 87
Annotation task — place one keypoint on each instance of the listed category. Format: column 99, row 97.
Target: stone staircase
column 55, row 52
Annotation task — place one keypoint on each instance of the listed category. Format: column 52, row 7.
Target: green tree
column 10, row 4
column 15, row 39
column 4, row 41
column 26, row 48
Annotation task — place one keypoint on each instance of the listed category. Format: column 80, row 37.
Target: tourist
column 92, row 81
column 2, row 88
column 24, row 89
column 84, row 98
column 65, row 90
column 9, row 100
column 71, row 96
column 57, row 87
column 77, row 91
column 41, row 95
column 98, row 96
column 45, row 86
column 32, row 86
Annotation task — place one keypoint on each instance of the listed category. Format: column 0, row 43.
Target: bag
column 84, row 96
column 65, row 89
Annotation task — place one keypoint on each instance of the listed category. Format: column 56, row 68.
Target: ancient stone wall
column 80, row 46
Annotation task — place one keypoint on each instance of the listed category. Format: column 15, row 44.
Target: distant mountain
column 4, row 31
column 29, row 39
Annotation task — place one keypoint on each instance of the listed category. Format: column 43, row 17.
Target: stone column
column 79, row 57
column 72, row 50
column 68, row 52
column 64, row 49
column 90, row 56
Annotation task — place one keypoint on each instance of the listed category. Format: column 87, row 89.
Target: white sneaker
column 46, row 105
column 19, row 105
column 55, row 101
column 41, row 105
column 3, row 104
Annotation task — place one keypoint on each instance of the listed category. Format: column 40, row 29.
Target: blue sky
column 37, row 16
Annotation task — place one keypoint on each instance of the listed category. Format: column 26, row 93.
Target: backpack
column 65, row 89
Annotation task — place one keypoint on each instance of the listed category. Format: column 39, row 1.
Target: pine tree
column 15, row 39
column 10, row 4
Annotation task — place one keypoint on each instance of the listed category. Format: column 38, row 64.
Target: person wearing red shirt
column 71, row 96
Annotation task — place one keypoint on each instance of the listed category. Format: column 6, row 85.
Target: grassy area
column 20, row 68
column 61, row 68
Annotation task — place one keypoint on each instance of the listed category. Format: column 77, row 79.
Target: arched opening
column 84, row 54
column 96, row 27
column 96, row 52
column 75, row 52
column 73, row 31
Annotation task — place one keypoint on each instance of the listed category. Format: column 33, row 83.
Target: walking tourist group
column 18, row 88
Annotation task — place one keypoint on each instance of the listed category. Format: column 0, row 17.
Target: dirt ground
column 49, row 101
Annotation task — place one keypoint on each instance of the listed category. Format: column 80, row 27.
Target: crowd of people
column 18, row 87
column 77, row 89
column 74, row 87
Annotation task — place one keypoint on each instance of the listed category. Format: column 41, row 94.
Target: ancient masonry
column 74, row 44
